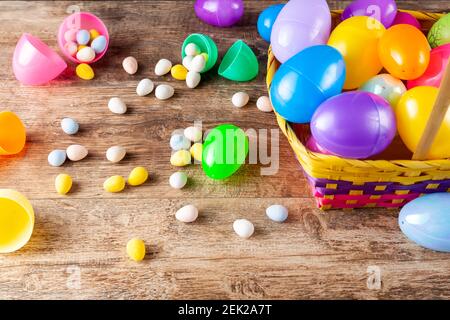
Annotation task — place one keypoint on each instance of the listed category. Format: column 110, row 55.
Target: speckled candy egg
column 69, row 126
column 219, row 13
column 277, row 213
column 56, row 158
column 187, row 214
column 386, row 86
column 179, row 142
column 76, row 152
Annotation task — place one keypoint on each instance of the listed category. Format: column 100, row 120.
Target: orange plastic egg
column 404, row 52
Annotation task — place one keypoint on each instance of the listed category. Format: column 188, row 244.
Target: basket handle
column 436, row 118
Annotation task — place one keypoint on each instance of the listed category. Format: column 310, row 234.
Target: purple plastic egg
column 219, row 13
column 382, row 10
column 406, row 18
column 299, row 25
column 354, row 125
column 313, row 146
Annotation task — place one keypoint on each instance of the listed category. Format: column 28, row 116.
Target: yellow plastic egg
column 179, row 72
column 196, row 151
column 85, row 72
column 63, row 183
column 137, row 176
column 94, row 34
column 136, row 249
column 180, row 158
column 114, row 184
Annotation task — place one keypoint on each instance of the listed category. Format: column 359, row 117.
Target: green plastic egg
column 224, row 151
column 440, row 32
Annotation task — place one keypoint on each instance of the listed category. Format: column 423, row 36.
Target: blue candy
column 69, row 126
column 56, row 158
column 99, row 44
column 277, row 213
column 83, row 37
column 267, row 19
column 179, row 142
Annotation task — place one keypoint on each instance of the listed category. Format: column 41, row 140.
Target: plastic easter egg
column 413, row 112
column 426, row 221
column 357, row 40
column 305, row 81
column 313, row 146
column 384, row 11
column 404, row 52
column 439, row 58
column 224, row 151
column 386, row 86
column 406, row 18
column 300, row 24
column 219, row 13
column 439, row 34
column 354, row 125
column 266, row 20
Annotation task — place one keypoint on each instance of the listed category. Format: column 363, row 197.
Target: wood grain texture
column 314, row 255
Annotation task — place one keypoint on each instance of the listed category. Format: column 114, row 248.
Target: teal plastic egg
column 386, row 86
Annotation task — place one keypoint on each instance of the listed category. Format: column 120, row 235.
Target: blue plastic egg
column 426, row 221
column 266, row 20
column 306, row 80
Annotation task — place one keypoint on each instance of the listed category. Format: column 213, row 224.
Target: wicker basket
column 346, row 183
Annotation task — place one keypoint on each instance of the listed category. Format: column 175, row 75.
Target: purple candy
column 382, row 10
column 406, row 18
column 299, row 25
column 354, row 125
column 219, row 13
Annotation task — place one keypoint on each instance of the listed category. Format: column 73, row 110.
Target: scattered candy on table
column 164, row 92
column 85, row 71
column 69, row 126
column 180, row 158
column 114, row 184
column 193, row 79
column 144, row 87
column 117, row 106
column 76, row 152
column 56, row 158
column 277, row 213
column 138, row 176
column 163, row 67
column 187, row 214
column 179, row 142
column 136, row 249
column 178, row 180
column 179, row 72
column 263, row 104
column 130, row 65
column 240, row 99
column 243, row 228
column 115, row 154
column 63, row 183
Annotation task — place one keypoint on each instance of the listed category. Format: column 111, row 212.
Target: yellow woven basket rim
column 324, row 166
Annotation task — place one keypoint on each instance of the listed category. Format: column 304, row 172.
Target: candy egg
column 357, row 40
column 180, row 158
column 266, row 20
column 144, row 87
column 386, row 86
column 439, row 34
column 192, row 49
column 263, row 104
column 187, row 214
column 193, row 79
column 197, row 64
column 71, row 35
column 83, row 37
column 69, row 126
column 368, row 130
column 163, row 67
column 219, row 13
column 299, row 25
column 187, row 62
column 179, row 142
column 224, row 151
column 94, row 34
column 277, row 213
column 84, row 71
column 137, row 176
column 240, row 99
column 243, row 228
column 303, row 82
column 193, row 133
column 114, row 184
column 179, row 72
column 99, row 44
column 86, row 54
column 81, row 46
column 136, row 249
column 76, row 152
column 196, row 151
column 56, row 158
column 384, row 11
column 63, row 183
column 178, row 180
column 71, row 48
column 130, row 65
column 116, row 105
column 164, row 92
column 115, row 154
column 426, row 221
column 404, row 52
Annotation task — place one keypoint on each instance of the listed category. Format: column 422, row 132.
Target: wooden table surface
column 78, row 246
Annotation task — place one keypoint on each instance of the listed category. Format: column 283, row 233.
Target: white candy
column 130, row 65
column 178, row 180
column 193, row 79
column 187, row 214
column 76, row 152
column 198, row 63
column 86, row 54
column 115, row 154
column 144, row 87
column 163, row 67
column 240, row 99
column 243, row 228
column 164, row 92
column 263, row 103
column 194, row 134
column 277, row 213
column 187, row 62
column 116, row 105
column 192, row 49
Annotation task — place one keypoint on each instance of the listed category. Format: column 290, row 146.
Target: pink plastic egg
column 406, row 18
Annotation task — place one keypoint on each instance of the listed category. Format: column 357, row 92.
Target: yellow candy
column 196, row 151
column 63, row 183
column 94, row 34
column 136, row 249
column 180, row 158
column 137, row 176
column 81, row 46
column 114, row 184
column 179, row 72
column 205, row 55
column 84, row 71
